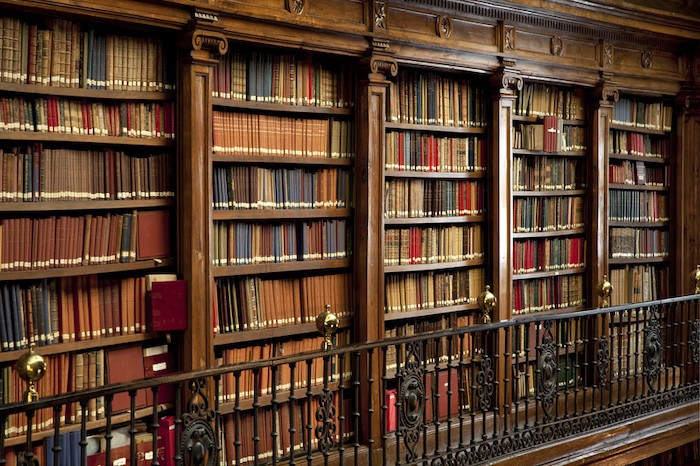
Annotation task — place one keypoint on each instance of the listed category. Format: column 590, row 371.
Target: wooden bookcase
column 86, row 144
column 371, row 48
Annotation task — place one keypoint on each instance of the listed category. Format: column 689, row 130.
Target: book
column 167, row 306
column 153, row 237
column 126, row 365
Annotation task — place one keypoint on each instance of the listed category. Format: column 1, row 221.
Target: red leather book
column 153, row 234
column 126, row 365
column 167, row 306
column 166, row 441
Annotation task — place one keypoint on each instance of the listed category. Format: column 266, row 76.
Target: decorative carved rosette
column 646, row 60
column 295, row 6
column 547, row 367
column 443, row 26
column 199, row 442
column 556, row 46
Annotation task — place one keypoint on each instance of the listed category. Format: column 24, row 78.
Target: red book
column 153, row 230
column 166, row 441
column 157, row 362
column 167, row 306
column 390, row 400
column 125, row 365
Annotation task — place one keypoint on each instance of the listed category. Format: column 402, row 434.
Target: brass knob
column 327, row 324
column 605, row 289
column 695, row 277
column 487, row 302
column 31, row 367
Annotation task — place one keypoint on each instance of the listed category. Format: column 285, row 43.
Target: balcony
column 582, row 387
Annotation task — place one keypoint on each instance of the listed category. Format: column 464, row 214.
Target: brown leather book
column 153, row 234
column 126, row 365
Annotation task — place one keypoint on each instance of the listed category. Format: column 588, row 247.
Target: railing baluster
column 256, row 414
column 450, row 354
column 292, row 412
column 507, row 364
column 237, row 417
column 384, row 409
column 178, row 423
column 341, row 409
column 132, row 426
column 218, row 418
column 461, row 388
column 577, row 363
column 274, row 402
column 370, row 408
column 434, row 349
column 155, row 425
column 356, row 404
column 309, row 401
column 426, row 395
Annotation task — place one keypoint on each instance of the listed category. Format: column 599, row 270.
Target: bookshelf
column 549, row 193
column 87, row 198
column 282, row 206
column 639, row 190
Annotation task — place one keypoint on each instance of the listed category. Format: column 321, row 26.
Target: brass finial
column 695, row 276
column 327, row 324
column 605, row 289
column 487, row 302
column 31, row 367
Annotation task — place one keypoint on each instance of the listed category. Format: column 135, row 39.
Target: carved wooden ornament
column 646, row 60
column 380, row 15
column 443, row 26
column 557, row 46
column 509, row 38
column 295, row 6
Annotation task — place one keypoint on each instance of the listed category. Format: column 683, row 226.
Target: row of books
column 432, row 198
column 419, row 97
column 547, row 293
column 550, row 136
column 70, row 372
column 639, row 242
column 293, row 424
column 638, row 283
column 260, row 381
column 149, row 120
column 247, row 243
column 252, row 303
column 543, row 99
column 249, row 187
column 638, row 173
column 535, row 255
column 631, row 111
column 417, row 151
column 527, row 337
column 413, row 291
column 71, row 308
column 430, row 245
column 291, row 79
column 64, row 373
column 638, row 206
column 556, row 213
column 544, row 173
column 64, row 53
column 629, row 143
column 270, row 135
column 43, row 243
column 36, row 173
column 435, row 350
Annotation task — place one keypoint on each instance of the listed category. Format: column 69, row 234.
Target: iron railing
column 460, row 396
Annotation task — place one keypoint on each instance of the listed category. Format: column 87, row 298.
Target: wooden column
column 685, row 193
column 194, row 186
column 369, row 224
column 505, row 83
column 597, row 213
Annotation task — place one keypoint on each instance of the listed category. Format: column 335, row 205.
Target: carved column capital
column 507, row 79
column 688, row 100
column 380, row 60
column 607, row 94
column 205, row 39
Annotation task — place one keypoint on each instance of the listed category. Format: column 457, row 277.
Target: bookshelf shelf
column 548, row 273
column 548, row 234
column 98, row 94
column 637, row 187
column 434, row 220
column 84, row 139
column 549, row 312
column 637, row 260
column 640, row 158
column 84, row 205
column 81, row 345
column 436, row 128
column 284, row 331
column 435, row 175
column 270, row 107
column 538, row 119
column 117, row 419
column 150, row 264
column 639, row 224
column 295, row 266
column 277, row 160
column 570, row 153
column 639, row 129
column 279, row 214
column 419, row 313
column 435, row 266
column 553, row 192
